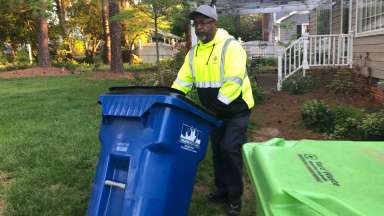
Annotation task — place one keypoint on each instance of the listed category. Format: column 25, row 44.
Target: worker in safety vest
column 216, row 66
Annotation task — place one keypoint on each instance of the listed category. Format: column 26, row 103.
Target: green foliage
column 63, row 52
column 347, row 121
column 194, row 96
column 180, row 20
column 288, row 24
column 136, row 24
column 268, row 61
column 170, row 67
column 140, row 67
column 258, row 95
column 342, row 83
column 318, row 116
column 250, row 26
column 343, row 121
column 298, row 84
column 372, row 126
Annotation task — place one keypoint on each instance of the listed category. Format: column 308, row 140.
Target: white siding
column 368, row 52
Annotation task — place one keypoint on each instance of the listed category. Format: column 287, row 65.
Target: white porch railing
column 314, row 51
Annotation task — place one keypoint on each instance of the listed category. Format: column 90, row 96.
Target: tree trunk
column 158, row 52
column 60, row 7
column 107, row 35
column 115, row 29
column 43, row 57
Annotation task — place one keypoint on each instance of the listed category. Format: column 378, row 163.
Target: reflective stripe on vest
column 183, row 83
column 213, row 84
column 191, row 54
column 223, row 52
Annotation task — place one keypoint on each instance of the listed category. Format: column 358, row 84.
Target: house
column 342, row 33
column 291, row 26
column 364, row 20
column 168, row 47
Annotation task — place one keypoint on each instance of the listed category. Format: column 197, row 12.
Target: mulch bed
column 280, row 114
column 36, row 71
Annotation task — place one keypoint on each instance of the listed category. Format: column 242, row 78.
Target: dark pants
column 227, row 158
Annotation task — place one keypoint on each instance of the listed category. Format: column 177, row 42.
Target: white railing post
column 305, row 52
column 30, row 53
column 351, row 49
column 279, row 70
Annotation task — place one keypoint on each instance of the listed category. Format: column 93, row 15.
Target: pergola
column 242, row 7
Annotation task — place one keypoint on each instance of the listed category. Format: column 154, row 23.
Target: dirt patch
column 280, row 114
column 111, row 75
column 36, row 71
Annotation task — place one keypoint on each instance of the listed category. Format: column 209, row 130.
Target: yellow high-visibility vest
column 220, row 63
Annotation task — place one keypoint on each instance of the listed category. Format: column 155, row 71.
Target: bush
column 372, row 126
column 298, row 84
column 268, row 61
column 258, row 95
column 347, row 121
column 343, row 121
column 172, row 66
column 318, row 116
column 139, row 67
column 342, row 83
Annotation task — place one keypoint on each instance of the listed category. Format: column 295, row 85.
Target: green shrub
column 298, row 84
column 171, row 67
column 342, row 83
column 318, row 116
column 22, row 57
column 347, row 121
column 268, row 61
column 102, row 67
column 193, row 96
column 372, row 126
column 258, row 95
column 139, row 67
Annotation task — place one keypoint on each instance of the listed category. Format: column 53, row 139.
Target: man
column 216, row 66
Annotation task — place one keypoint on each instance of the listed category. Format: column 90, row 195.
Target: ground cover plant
column 49, row 147
column 343, row 121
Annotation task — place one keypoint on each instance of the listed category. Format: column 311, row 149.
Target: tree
column 61, row 7
column 17, row 24
column 249, row 25
column 86, row 20
column 106, row 34
column 159, row 9
column 40, row 8
column 43, row 56
column 115, row 31
column 181, row 24
column 135, row 25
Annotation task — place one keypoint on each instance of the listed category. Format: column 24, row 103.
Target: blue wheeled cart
column 152, row 140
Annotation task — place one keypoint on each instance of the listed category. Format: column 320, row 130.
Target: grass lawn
column 49, row 147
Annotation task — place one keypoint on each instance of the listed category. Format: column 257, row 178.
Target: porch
column 339, row 33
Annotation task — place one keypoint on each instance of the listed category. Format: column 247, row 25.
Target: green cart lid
column 310, row 177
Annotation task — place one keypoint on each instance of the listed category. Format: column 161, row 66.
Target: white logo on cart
column 122, row 147
column 190, row 137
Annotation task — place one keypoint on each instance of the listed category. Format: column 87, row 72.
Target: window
column 299, row 29
column 323, row 14
column 370, row 16
column 345, row 16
